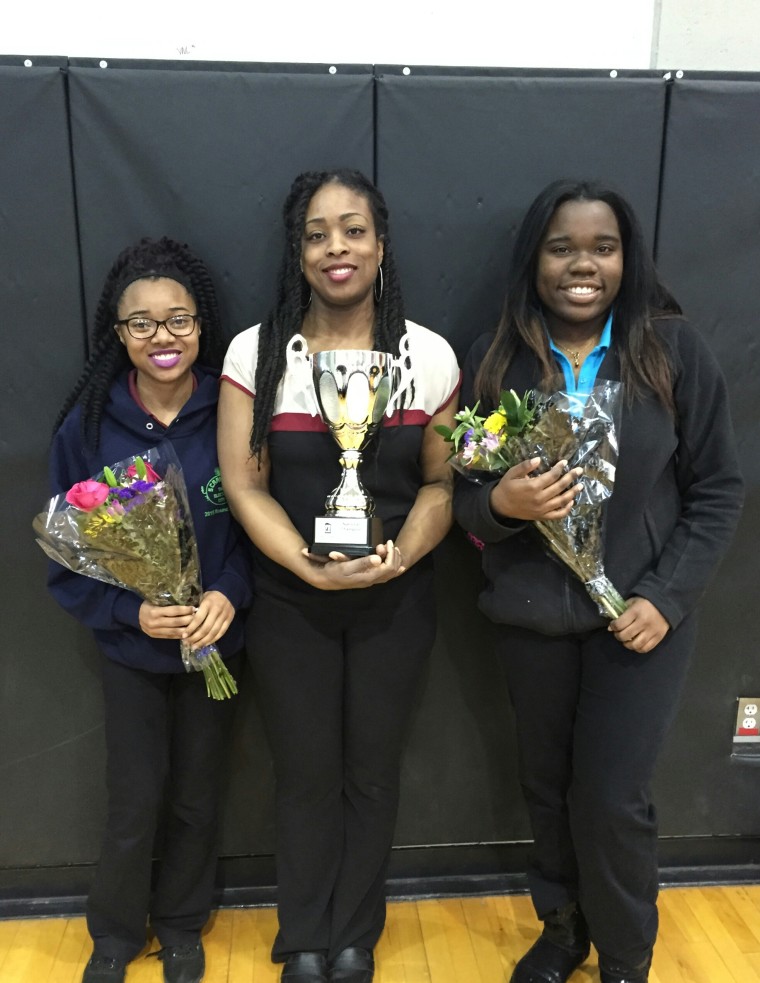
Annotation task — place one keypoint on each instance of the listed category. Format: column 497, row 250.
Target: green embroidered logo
column 213, row 492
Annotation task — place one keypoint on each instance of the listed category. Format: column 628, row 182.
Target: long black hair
column 644, row 363
column 286, row 318
column 150, row 258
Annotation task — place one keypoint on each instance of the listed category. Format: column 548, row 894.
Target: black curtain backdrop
column 207, row 157
column 460, row 159
column 50, row 720
column 94, row 158
column 709, row 253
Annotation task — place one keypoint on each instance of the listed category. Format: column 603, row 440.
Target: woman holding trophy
column 344, row 613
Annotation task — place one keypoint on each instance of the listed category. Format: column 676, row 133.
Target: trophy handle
column 402, row 365
column 298, row 361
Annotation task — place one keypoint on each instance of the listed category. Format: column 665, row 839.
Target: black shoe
column 305, row 967
column 103, row 969
column 353, row 965
column 615, row 978
column 545, row 962
column 560, row 949
column 183, row 963
column 611, row 972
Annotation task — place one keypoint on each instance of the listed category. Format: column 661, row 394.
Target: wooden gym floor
column 707, row 935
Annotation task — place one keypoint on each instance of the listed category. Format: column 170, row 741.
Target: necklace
column 575, row 353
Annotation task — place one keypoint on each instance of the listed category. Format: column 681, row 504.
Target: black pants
column 337, row 681
column 591, row 719
column 165, row 739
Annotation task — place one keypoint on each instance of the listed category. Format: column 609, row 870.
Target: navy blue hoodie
column 127, row 429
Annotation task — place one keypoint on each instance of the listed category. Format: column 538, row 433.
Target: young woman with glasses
column 152, row 376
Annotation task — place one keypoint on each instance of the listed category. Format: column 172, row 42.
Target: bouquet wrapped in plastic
column 131, row 526
column 581, row 428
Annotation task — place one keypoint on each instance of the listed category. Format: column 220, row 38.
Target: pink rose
column 150, row 474
column 87, row 495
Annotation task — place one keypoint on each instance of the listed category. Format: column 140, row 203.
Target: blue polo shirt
column 590, row 367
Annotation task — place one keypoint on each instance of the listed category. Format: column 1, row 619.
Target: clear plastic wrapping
column 580, row 428
column 131, row 526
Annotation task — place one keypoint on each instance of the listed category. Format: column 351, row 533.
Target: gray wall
column 706, row 35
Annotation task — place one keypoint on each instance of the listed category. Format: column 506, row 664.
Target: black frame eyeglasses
column 178, row 325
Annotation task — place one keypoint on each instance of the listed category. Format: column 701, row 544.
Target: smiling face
column 162, row 358
column 340, row 250
column 580, row 268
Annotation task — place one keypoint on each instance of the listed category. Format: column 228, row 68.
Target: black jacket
column 676, row 501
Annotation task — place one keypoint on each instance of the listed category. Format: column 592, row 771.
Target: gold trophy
column 353, row 389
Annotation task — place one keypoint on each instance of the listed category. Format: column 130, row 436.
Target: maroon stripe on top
column 237, row 385
column 298, row 422
column 305, row 423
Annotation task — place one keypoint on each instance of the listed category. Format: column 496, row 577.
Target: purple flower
column 138, row 489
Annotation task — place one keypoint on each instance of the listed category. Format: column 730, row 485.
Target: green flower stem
column 220, row 684
column 612, row 603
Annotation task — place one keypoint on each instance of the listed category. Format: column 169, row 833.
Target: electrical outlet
column 747, row 727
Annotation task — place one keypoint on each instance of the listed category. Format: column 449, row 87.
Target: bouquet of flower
column 130, row 526
column 577, row 427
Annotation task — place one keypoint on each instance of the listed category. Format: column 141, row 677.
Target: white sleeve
column 240, row 360
column 436, row 371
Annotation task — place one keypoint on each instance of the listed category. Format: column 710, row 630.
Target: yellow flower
column 495, row 422
column 99, row 522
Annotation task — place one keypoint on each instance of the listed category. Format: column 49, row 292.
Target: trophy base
column 350, row 535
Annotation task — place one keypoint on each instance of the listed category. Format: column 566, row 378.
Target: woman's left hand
column 352, row 572
column 211, row 620
column 393, row 561
column 640, row 627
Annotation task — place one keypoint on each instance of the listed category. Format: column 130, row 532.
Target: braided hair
column 286, row 318
column 642, row 298
column 150, row 258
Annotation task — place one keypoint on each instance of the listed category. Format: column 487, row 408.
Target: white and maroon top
column 305, row 459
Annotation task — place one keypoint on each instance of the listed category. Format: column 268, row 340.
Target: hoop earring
column 304, row 283
column 379, row 293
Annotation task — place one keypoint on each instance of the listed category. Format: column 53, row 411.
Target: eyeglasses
column 179, row 325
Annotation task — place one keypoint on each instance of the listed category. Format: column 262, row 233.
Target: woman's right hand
column 165, row 622
column 517, row 495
